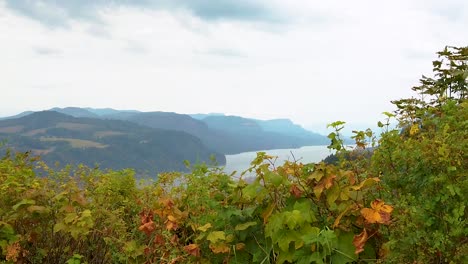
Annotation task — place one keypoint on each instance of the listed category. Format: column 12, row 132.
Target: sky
column 313, row 62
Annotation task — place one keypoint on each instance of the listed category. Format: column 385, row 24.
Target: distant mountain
column 287, row 127
column 244, row 134
column 108, row 111
column 25, row 113
column 221, row 133
column 112, row 144
column 202, row 116
column 226, row 134
column 75, row 112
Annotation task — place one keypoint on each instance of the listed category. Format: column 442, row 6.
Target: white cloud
column 331, row 60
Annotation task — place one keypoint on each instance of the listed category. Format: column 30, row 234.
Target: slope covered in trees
column 112, row 144
column 223, row 134
column 405, row 204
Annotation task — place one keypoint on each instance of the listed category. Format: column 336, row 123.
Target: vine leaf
column 359, row 241
column 325, row 183
column 295, row 191
column 215, row 236
column 379, row 213
column 193, row 249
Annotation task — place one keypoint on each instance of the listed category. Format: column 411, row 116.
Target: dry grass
column 76, row 143
column 74, row 126
column 11, row 129
column 35, row 132
column 108, row 133
column 40, row 152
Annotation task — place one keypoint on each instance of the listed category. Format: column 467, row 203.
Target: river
column 307, row 154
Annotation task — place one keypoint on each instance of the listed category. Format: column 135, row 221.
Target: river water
column 241, row 162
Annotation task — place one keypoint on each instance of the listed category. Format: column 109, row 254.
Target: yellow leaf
column 244, row 226
column 215, row 236
column 365, row 183
column 204, row 227
column 414, row 129
column 338, row 219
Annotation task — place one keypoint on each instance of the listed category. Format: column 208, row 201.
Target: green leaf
column 274, row 178
column 293, row 219
column 59, row 227
column 332, row 194
column 23, row 202
column 304, row 206
column 310, row 234
column 244, row 226
column 344, row 251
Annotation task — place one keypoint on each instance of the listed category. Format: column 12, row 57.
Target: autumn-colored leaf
column 147, row 228
column 147, row 251
column 240, row 246
column 325, row 183
column 171, row 218
column 13, row 251
column 338, row 219
column 170, row 225
column 218, row 248
column 176, row 260
column 205, row 227
column 159, row 240
column 295, row 191
column 193, row 249
column 359, row 241
column 379, row 213
column 267, row 213
column 215, row 236
column 365, row 183
column 168, row 203
column 174, row 239
column 145, row 217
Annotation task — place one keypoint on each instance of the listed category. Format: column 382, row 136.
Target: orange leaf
column 147, row 228
column 240, row 246
column 159, row 240
column 380, row 212
column 171, row 218
column 193, row 249
column 13, row 251
column 174, row 239
column 359, row 241
column 295, row 191
column 219, row 248
column 171, row 225
column 325, row 183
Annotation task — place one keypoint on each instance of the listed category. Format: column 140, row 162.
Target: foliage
column 424, row 167
column 405, row 204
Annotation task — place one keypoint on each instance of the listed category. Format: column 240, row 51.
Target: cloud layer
column 312, row 61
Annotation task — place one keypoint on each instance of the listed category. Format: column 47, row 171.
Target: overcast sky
column 311, row 61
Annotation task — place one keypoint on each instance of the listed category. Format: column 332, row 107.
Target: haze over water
column 241, row 162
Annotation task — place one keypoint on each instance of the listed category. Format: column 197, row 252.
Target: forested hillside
column 404, row 204
column 223, row 134
column 112, row 144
